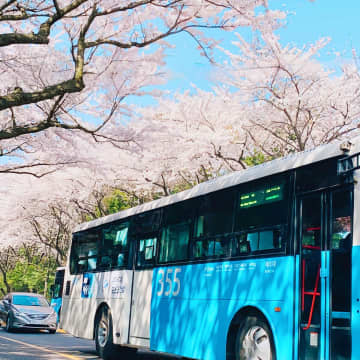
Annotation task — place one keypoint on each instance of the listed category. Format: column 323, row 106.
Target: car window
column 26, row 300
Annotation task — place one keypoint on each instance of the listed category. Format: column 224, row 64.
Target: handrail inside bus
column 311, row 247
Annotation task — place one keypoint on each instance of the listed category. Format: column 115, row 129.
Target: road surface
column 43, row 346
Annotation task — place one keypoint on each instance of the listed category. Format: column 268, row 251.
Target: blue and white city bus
column 258, row 264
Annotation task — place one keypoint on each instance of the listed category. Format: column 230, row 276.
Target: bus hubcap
column 256, row 344
column 103, row 333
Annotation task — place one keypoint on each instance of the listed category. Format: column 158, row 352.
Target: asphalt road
column 43, row 346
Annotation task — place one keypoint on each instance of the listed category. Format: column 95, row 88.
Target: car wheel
column 9, row 325
column 104, row 335
column 52, row 331
column 254, row 340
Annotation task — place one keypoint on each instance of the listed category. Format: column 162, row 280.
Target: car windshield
column 28, row 300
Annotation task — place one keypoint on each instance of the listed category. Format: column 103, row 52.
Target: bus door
column 142, row 289
column 325, row 225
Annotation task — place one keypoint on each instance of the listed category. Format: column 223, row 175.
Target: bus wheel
column 104, row 335
column 254, row 340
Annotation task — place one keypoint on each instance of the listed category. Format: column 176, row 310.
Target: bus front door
column 325, row 221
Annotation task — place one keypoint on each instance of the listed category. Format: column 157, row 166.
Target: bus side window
column 120, row 260
column 262, row 206
column 214, row 214
column 253, row 240
column 217, row 246
column 84, row 251
column 213, row 222
column 262, row 214
column 146, row 252
column 105, row 262
column 175, row 234
column 82, row 266
column 257, row 241
column 240, row 245
column 269, row 239
column 174, row 242
column 115, row 250
column 92, row 259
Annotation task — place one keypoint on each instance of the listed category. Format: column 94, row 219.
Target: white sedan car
column 27, row 311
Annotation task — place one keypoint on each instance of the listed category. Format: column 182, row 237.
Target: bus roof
column 276, row 166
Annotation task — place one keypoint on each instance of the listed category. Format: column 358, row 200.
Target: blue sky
column 307, row 22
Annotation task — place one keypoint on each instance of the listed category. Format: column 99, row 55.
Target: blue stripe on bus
column 355, row 303
column 56, row 305
column 193, row 320
column 340, row 315
column 296, row 307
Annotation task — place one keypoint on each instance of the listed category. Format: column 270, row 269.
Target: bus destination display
column 262, row 196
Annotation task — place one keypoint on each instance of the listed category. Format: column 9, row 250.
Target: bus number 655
column 172, row 284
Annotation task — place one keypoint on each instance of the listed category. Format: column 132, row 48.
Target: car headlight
column 53, row 315
column 18, row 314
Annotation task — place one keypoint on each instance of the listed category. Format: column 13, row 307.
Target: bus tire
column 254, row 340
column 104, row 335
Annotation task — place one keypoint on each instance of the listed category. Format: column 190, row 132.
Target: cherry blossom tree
column 70, row 65
column 274, row 100
column 198, row 135
column 7, row 262
column 40, row 210
column 295, row 101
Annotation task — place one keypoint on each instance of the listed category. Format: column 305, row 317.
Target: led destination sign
column 262, row 196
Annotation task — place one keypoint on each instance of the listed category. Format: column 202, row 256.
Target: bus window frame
column 100, row 242
column 73, row 249
column 287, row 179
column 227, row 237
column 165, row 222
column 127, row 252
column 281, row 251
column 136, row 242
